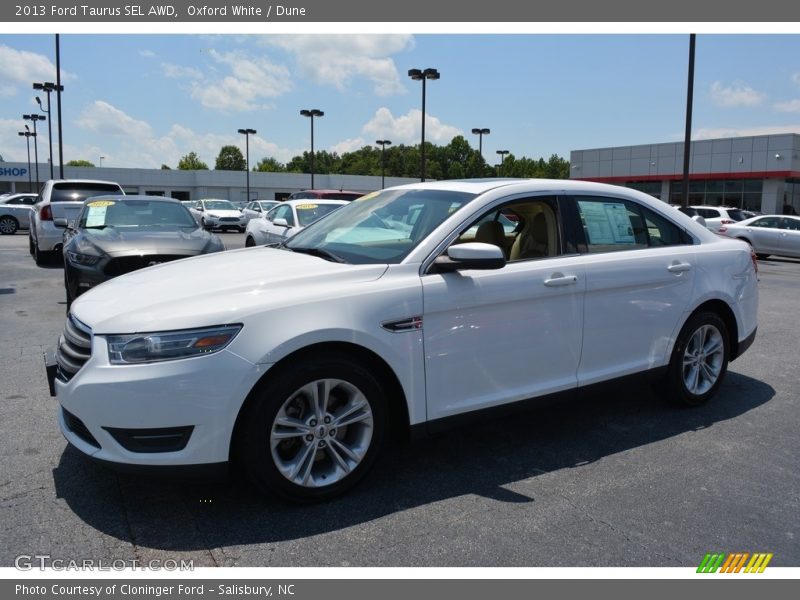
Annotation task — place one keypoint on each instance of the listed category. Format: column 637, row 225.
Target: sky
column 141, row 100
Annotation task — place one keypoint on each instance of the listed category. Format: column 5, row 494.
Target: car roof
column 299, row 201
column 126, row 197
column 480, row 186
column 54, row 181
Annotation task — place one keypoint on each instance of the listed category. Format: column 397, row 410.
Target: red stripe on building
column 693, row 176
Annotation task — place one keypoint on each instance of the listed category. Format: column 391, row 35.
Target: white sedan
column 408, row 309
column 287, row 219
column 258, row 209
column 213, row 213
column 777, row 235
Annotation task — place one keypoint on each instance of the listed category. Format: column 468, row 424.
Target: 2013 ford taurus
column 408, row 308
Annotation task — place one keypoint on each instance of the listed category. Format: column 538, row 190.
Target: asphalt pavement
column 616, row 478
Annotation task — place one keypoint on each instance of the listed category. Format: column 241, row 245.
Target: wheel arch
column 13, row 218
column 725, row 312
column 398, row 416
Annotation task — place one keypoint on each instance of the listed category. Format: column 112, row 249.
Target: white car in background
column 215, row 213
column 717, row 216
column 777, row 235
column 258, row 209
column 395, row 312
column 287, row 219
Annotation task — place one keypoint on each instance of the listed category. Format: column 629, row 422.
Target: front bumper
column 163, row 414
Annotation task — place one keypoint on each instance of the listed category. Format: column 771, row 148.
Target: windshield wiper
column 97, row 226
column 326, row 254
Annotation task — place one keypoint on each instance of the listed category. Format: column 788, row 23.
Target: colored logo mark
column 734, row 562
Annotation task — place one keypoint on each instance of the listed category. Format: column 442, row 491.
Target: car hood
column 213, row 212
column 214, row 289
column 124, row 242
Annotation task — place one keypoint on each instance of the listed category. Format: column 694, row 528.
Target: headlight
column 82, row 259
column 169, row 345
column 213, row 216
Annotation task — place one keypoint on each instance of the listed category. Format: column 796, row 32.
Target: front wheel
column 249, row 242
column 315, row 429
column 699, row 360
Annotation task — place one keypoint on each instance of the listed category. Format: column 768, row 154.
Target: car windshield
column 308, row 212
column 219, row 205
column 382, row 227
column 98, row 214
column 78, row 192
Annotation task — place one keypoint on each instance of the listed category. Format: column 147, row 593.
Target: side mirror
column 474, row 255
column 61, row 223
column 281, row 222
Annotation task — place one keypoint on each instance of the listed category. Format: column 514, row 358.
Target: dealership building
column 757, row 173
column 193, row 185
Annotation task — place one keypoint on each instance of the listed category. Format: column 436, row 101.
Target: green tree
column 269, row 165
column 80, row 163
column 166, row 167
column 191, row 162
column 230, row 158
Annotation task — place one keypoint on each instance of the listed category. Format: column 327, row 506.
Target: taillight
column 722, row 230
column 754, row 258
column 727, row 222
column 46, row 213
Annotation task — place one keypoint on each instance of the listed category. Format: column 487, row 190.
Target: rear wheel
column 40, row 256
column 315, row 429
column 249, row 242
column 8, row 225
column 761, row 256
column 30, row 245
column 699, row 361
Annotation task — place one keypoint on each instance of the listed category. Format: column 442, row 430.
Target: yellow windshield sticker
column 100, row 203
column 306, row 206
column 369, row 196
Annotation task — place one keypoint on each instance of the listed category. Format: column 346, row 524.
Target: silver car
column 777, row 235
column 14, row 217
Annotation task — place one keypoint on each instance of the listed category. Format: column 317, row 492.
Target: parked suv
column 717, row 216
column 61, row 199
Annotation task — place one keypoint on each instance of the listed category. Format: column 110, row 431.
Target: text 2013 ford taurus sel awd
column 409, row 308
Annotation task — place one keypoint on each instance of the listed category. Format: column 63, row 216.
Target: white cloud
column 796, row 78
column 13, row 147
column 722, row 132
column 180, row 72
column 147, row 53
column 788, row 106
column 250, row 80
column 20, row 67
column 735, row 95
column 338, row 59
column 407, row 129
column 348, row 145
column 102, row 117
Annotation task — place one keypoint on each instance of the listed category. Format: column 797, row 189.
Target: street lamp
column 247, row 133
column 418, row 75
column 312, row 112
column 480, row 133
column 27, row 134
column 101, row 161
column 35, row 117
column 383, row 144
column 502, row 154
column 48, row 87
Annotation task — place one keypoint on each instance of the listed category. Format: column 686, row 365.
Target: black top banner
column 407, row 11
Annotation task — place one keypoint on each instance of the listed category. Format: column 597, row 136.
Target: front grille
column 76, row 426
column 230, row 219
column 169, row 439
column 74, row 348
column 126, row 264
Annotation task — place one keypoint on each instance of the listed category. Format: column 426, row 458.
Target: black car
column 118, row 234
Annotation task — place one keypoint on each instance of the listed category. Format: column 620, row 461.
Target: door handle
column 679, row 267
column 558, row 280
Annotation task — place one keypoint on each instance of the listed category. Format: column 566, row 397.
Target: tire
column 316, row 454
column 70, row 298
column 205, row 225
column 30, row 245
column 699, row 361
column 39, row 256
column 8, row 225
column 762, row 256
column 249, row 242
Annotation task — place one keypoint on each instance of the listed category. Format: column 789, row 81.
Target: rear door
column 765, row 234
column 789, row 244
column 640, row 270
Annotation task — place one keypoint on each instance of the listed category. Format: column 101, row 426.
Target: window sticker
column 96, row 215
column 606, row 222
column 369, row 196
column 306, row 206
column 101, row 203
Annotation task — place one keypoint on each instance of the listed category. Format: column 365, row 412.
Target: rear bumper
column 744, row 344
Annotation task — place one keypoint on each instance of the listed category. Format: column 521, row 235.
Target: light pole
column 502, row 154
column 383, row 144
column 34, row 117
column 48, row 87
column 419, row 75
column 101, row 161
column 312, row 112
column 27, row 134
column 247, row 133
column 59, row 88
column 480, row 133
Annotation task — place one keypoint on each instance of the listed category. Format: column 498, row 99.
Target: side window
column 766, row 222
column 284, row 212
column 524, row 229
column 791, row 224
column 614, row 224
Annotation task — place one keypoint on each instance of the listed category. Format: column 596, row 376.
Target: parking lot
column 609, row 479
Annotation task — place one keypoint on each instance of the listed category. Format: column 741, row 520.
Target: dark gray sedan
column 117, row 234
